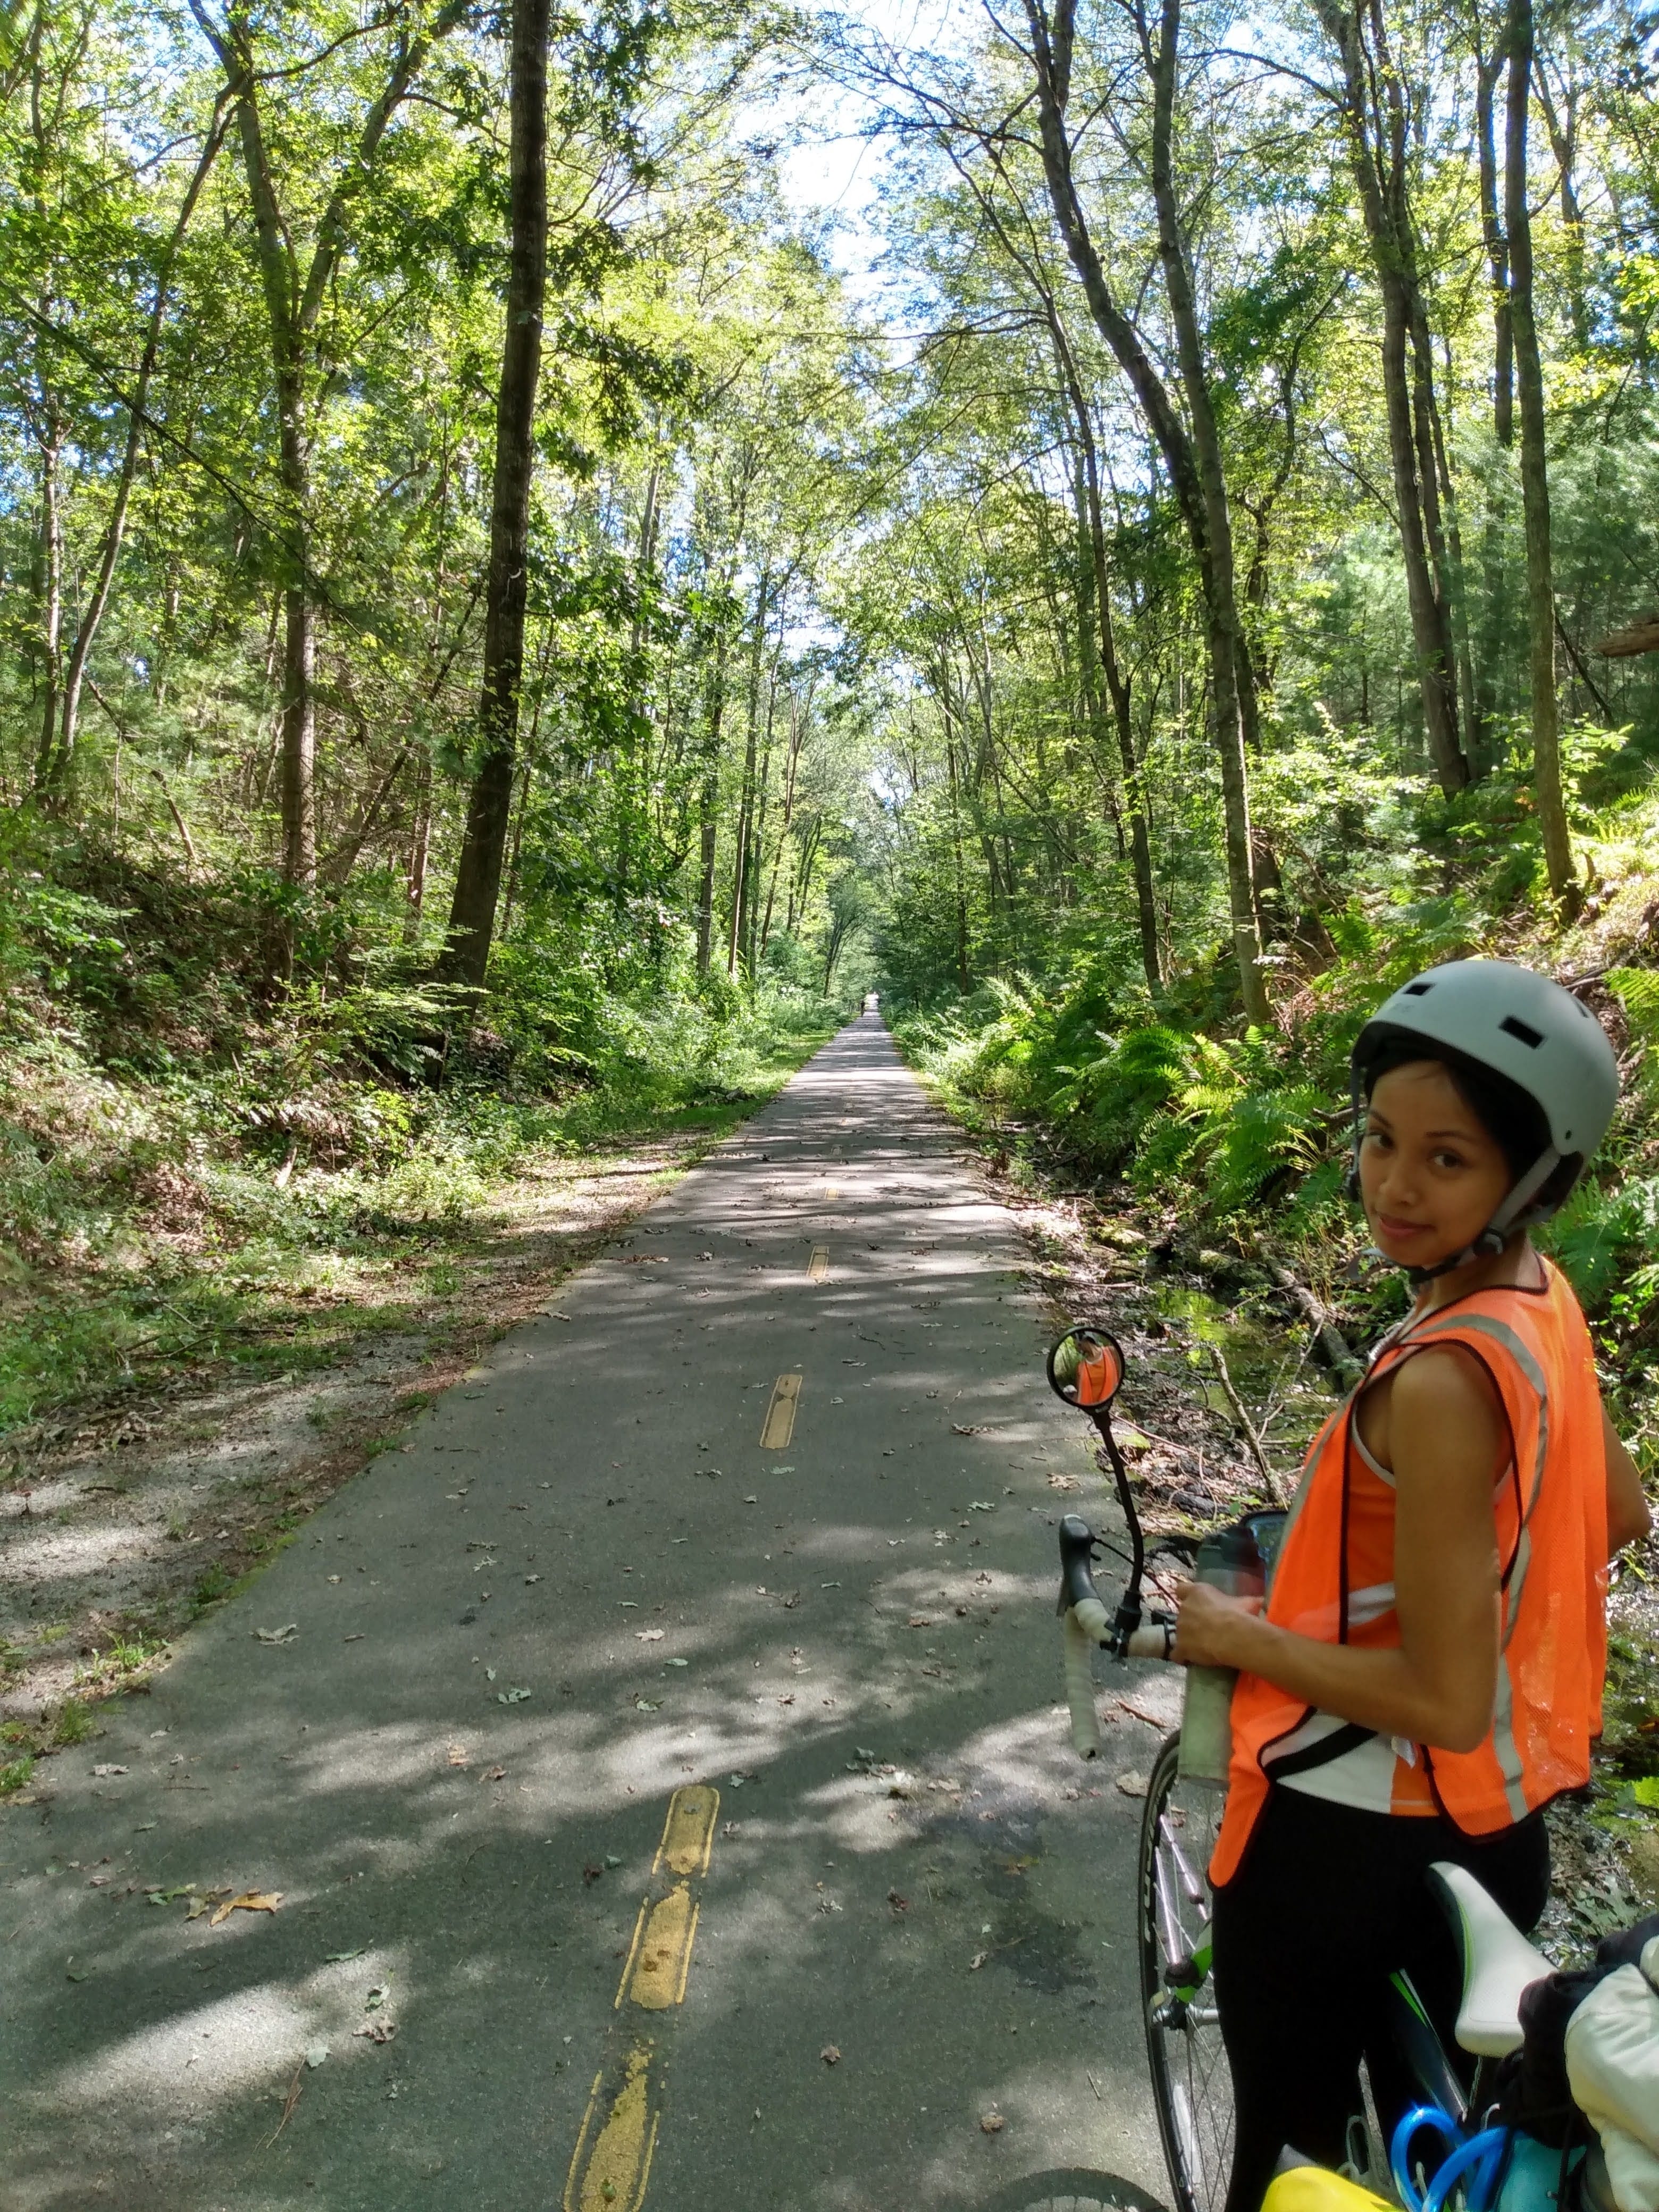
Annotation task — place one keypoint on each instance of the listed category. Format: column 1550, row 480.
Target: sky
column 830, row 165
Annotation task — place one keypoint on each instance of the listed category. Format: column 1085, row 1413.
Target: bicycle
column 1192, row 2084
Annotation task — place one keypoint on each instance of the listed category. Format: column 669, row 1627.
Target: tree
column 1534, row 474
column 478, row 875
column 1191, row 450
column 1376, row 120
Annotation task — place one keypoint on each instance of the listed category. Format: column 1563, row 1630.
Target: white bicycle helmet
column 1520, row 1026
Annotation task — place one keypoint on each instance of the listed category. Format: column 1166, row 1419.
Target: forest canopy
column 485, row 602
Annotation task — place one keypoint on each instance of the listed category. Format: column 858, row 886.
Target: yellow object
column 661, row 1957
column 1316, row 2189
column 688, row 1833
column 780, row 1424
column 612, row 2176
column 818, row 1267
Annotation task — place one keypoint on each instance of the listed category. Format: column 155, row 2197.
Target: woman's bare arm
column 1446, row 1440
column 1629, row 1515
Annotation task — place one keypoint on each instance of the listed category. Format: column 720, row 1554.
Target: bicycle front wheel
column 1192, row 2082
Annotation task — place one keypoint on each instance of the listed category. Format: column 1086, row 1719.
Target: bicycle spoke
column 1196, row 1893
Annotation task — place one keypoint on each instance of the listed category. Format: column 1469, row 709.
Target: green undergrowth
column 202, row 1170
column 1212, row 1133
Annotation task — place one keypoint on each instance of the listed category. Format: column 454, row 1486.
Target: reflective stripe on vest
column 1550, row 1521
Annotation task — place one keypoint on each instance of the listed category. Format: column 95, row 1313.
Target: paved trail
column 640, row 1766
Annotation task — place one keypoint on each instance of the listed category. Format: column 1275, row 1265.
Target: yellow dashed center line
column 780, row 1423
column 818, row 1267
column 687, row 1836
column 660, row 1959
column 611, row 2164
column 612, row 2176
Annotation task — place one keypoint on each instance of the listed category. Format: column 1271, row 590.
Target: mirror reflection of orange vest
column 1333, row 1577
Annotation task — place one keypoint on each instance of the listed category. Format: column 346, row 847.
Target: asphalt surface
column 891, row 1964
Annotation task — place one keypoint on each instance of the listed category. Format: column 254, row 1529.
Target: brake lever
column 1078, row 1548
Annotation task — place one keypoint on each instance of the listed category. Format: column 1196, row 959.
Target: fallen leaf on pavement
column 981, row 1505
column 973, row 1429
column 106, row 1768
column 991, row 2123
column 494, row 1774
column 592, row 1872
column 457, row 1754
column 377, row 2031
column 1064, row 1482
column 830, row 2055
column 899, row 1903
column 278, row 1635
column 316, row 2054
column 649, row 1635
column 251, row 1900
column 977, row 1961
column 1131, row 1782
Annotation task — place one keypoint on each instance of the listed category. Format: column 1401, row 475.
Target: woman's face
column 1430, row 1175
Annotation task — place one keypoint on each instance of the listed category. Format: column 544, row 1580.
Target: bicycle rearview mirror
column 1085, row 1368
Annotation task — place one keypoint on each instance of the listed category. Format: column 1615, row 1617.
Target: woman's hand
column 1208, row 1624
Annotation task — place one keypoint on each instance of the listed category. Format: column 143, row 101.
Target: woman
column 1427, row 1673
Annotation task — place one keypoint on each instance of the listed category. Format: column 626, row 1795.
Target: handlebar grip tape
column 1087, row 1625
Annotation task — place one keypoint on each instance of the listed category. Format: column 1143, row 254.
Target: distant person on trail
column 1426, row 1674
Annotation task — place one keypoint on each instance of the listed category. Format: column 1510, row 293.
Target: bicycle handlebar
column 1088, row 1623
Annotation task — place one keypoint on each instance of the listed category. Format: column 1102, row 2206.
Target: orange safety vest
column 1334, row 1576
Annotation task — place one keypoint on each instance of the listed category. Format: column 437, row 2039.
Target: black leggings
column 1327, row 1903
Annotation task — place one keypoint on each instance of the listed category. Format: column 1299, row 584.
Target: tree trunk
column 52, row 595
column 1535, row 479
column 299, row 736
column 115, row 527
column 419, row 842
column 1232, row 684
column 1102, row 643
column 1564, row 144
column 1487, row 72
column 1051, row 48
column 965, row 974
column 1378, row 151
column 478, row 877
column 797, row 732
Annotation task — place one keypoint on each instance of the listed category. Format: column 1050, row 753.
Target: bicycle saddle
column 1499, row 1962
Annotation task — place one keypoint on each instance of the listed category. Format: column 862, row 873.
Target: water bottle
column 1229, row 1560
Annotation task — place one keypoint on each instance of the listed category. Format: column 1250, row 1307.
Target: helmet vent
column 1527, row 1035
column 1417, row 990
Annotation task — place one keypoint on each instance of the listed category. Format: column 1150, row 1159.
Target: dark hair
column 1515, row 1121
